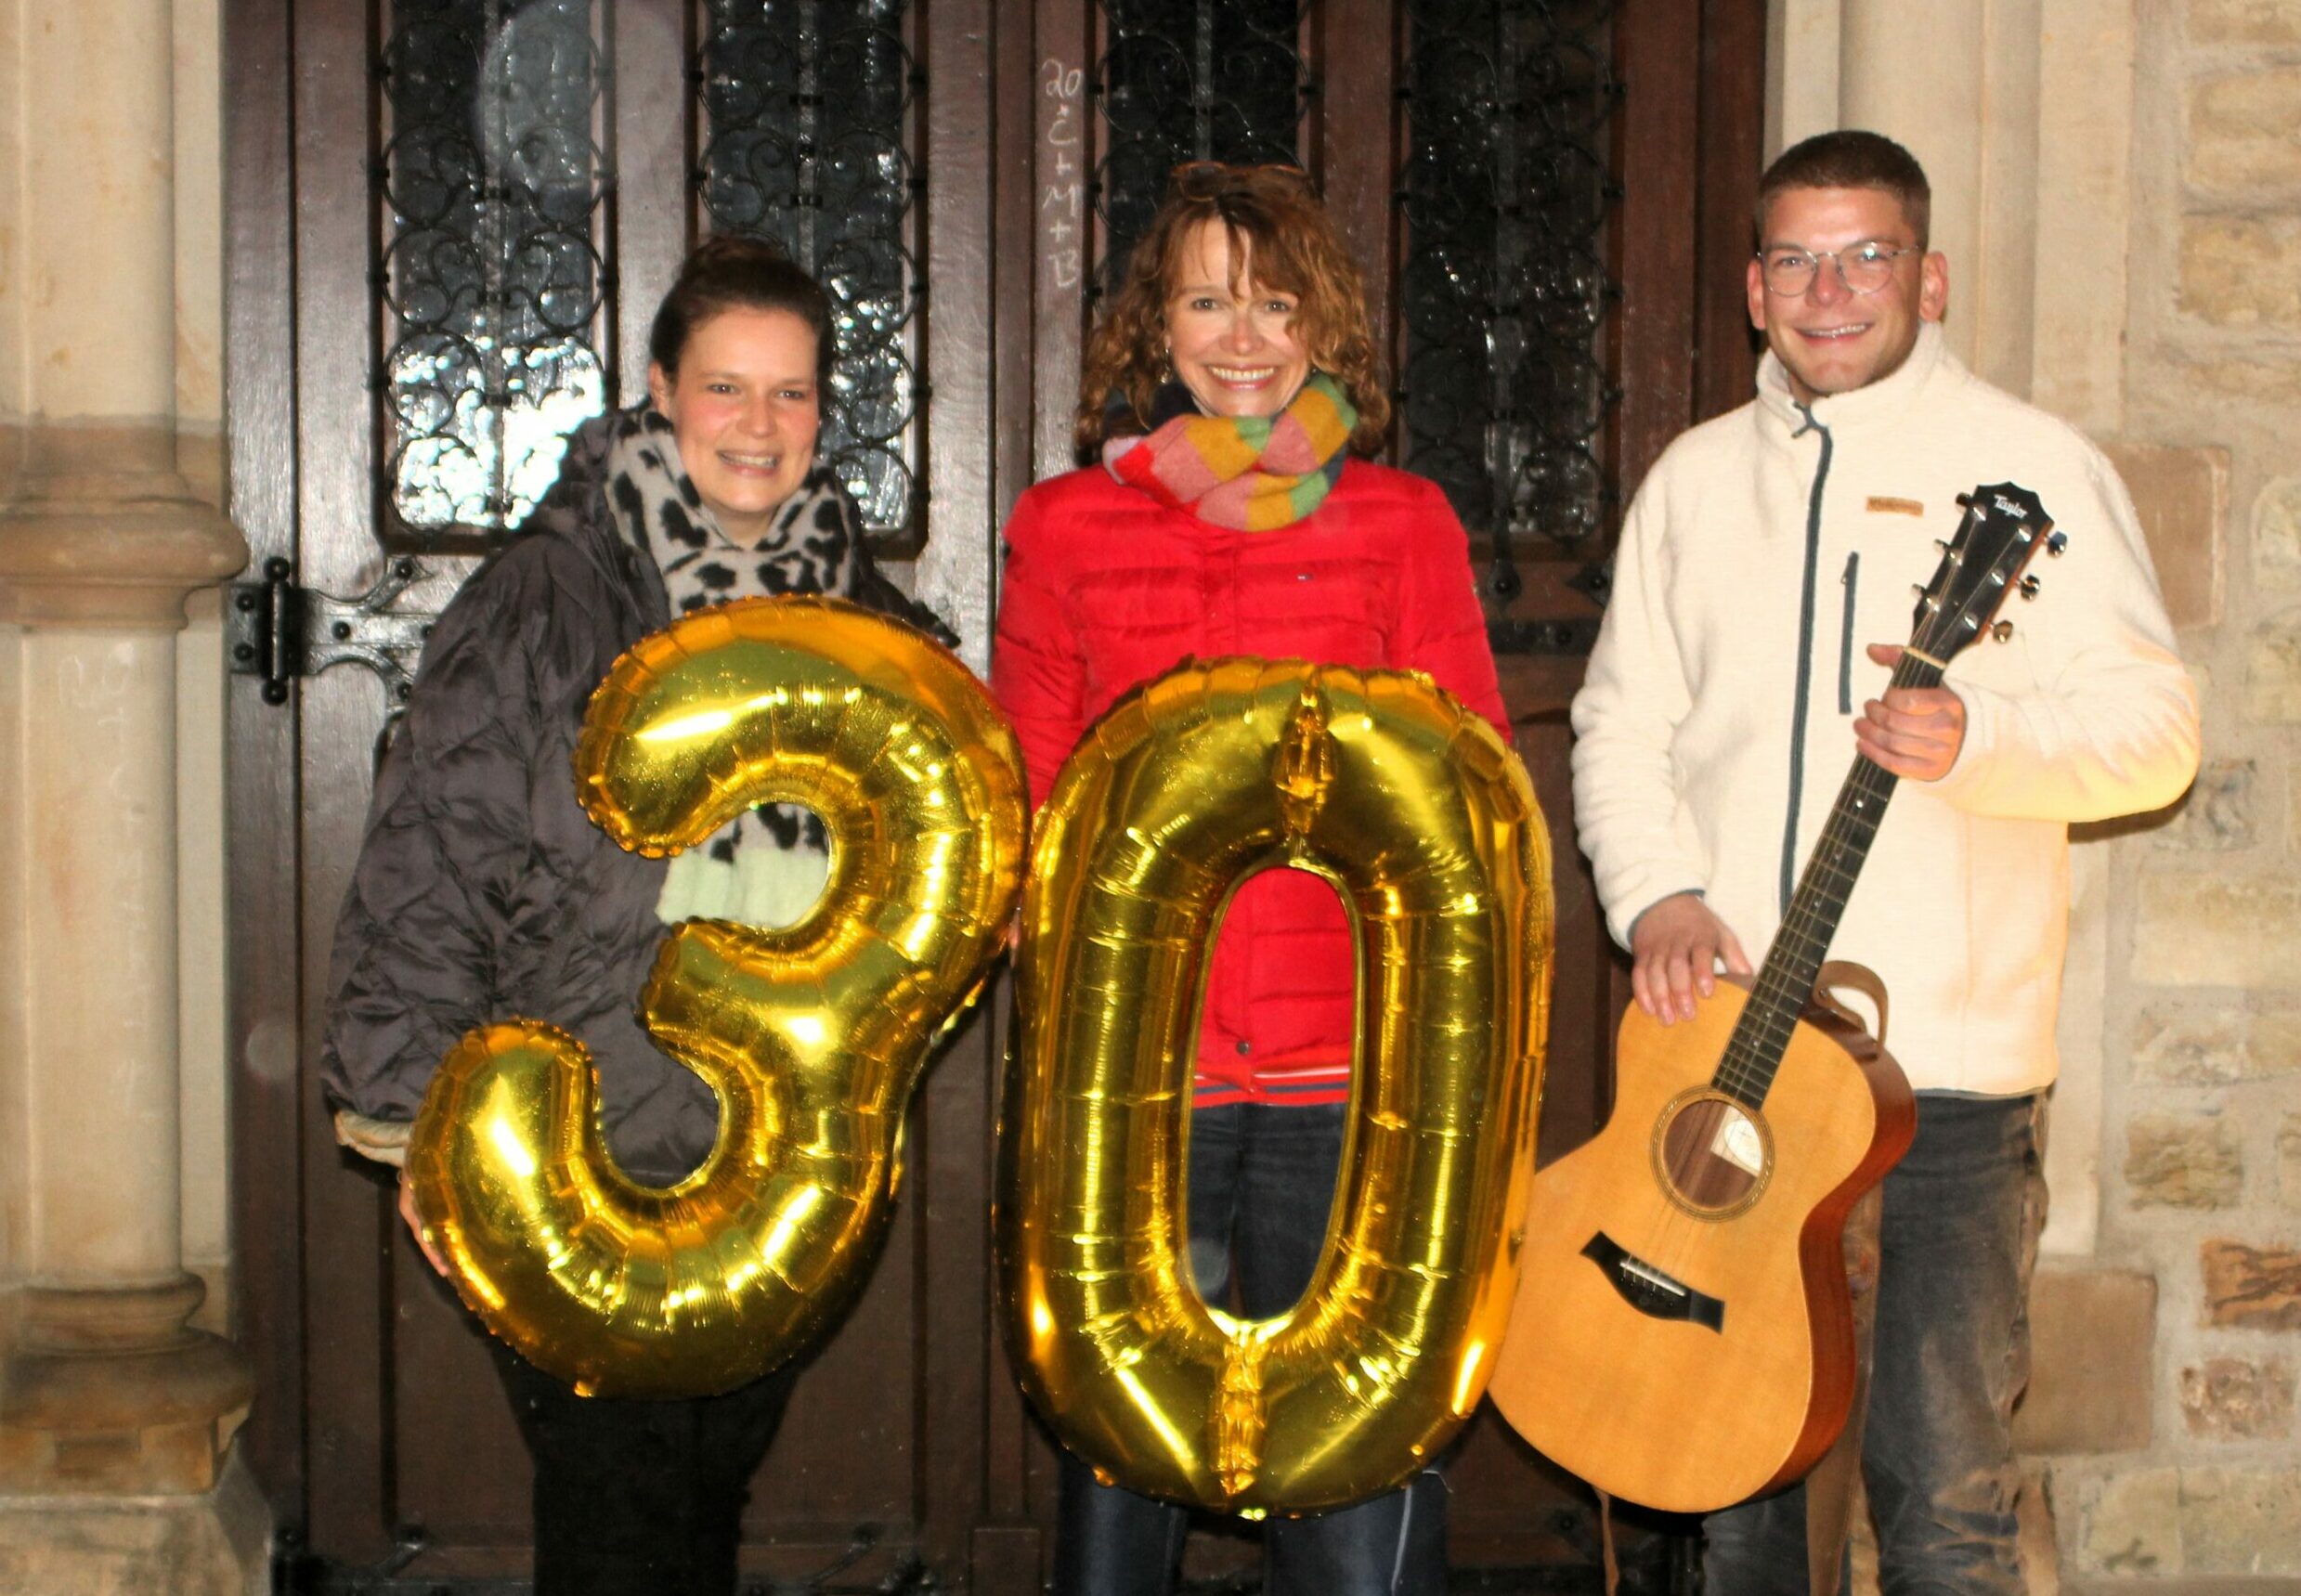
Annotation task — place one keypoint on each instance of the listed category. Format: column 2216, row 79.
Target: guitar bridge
column 1653, row 1291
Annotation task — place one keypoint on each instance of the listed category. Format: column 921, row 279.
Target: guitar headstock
column 2003, row 529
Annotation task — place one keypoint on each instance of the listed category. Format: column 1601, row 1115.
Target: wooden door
column 1547, row 197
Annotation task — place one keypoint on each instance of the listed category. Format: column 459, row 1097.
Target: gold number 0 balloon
column 1412, row 807
column 812, row 1036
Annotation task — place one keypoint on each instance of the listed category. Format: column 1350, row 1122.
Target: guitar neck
column 1785, row 982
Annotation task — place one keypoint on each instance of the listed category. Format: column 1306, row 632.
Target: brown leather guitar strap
column 1833, row 1490
column 1850, row 976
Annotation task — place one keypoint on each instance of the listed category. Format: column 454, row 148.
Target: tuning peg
column 2002, row 630
column 2029, row 587
column 2056, row 544
column 1965, row 501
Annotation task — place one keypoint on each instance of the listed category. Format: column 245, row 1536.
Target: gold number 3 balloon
column 1409, row 804
column 812, row 1036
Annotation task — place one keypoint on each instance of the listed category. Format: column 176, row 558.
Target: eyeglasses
column 1211, row 179
column 1864, row 268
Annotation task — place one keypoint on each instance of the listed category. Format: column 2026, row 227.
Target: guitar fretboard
column 1785, row 982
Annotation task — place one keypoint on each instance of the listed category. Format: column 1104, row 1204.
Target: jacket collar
column 1881, row 403
column 576, row 511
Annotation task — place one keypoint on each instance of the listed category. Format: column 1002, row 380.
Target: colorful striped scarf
column 1247, row 473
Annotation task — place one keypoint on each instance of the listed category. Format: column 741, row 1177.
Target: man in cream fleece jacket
column 1763, row 575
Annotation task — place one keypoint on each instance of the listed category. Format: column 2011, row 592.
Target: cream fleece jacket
column 1763, row 551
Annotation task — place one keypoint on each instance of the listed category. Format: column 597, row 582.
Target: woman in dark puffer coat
column 1231, row 392
column 484, row 892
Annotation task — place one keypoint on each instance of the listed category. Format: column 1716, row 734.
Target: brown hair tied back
column 725, row 272
column 1292, row 246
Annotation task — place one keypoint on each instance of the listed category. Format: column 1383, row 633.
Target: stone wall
column 2200, row 1160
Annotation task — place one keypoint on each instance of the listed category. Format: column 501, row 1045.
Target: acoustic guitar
column 1683, row 1334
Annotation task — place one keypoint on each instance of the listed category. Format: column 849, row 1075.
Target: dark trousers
column 1262, row 1189
column 636, row 1496
column 1956, row 1243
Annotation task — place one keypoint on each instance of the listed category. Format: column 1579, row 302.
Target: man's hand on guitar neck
column 1913, row 732
column 1674, row 950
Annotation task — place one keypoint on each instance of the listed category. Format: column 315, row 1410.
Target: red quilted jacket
column 1105, row 588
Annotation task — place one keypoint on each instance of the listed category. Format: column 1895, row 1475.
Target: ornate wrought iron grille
column 1503, row 287
column 1190, row 79
column 809, row 107
column 491, row 181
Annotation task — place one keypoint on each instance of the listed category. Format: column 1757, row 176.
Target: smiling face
column 1231, row 341
column 1830, row 339
column 744, row 410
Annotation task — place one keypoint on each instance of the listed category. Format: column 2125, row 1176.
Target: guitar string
column 1920, row 666
column 1761, row 1036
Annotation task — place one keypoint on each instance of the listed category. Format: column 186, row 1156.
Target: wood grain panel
column 377, row 1407
column 1354, row 145
column 1730, row 154
column 1658, row 55
column 267, row 1208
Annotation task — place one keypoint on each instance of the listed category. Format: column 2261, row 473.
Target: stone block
column 2092, row 1341
column 2289, row 1161
column 2214, row 1047
column 214, row 1544
column 2273, row 1042
column 2236, row 1400
column 2209, row 1528
column 2270, row 694
column 2180, row 1162
column 2181, row 497
column 2237, row 1521
column 2251, row 1288
column 2196, row 929
column 2216, row 814
column 2241, row 132
column 2241, row 271
column 2252, row 23
column 2277, row 533
column 2244, row 382
column 2133, row 1526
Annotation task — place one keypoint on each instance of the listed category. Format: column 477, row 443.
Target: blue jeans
column 1262, row 1188
column 1957, row 1240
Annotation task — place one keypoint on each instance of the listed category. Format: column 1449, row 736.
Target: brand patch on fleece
column 1878, row 506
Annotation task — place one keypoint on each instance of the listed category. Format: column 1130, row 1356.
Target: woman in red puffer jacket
column 1231, row 392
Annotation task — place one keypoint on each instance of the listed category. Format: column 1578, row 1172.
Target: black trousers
column 637, row 1496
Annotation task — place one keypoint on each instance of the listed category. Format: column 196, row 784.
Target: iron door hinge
column 278, row 630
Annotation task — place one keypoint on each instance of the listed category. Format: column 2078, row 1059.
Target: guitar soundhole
column 1714, row 1155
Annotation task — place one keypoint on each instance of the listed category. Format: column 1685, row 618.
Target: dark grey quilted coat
column 483, row 891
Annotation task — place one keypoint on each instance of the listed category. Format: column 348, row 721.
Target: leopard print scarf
column 767, row 866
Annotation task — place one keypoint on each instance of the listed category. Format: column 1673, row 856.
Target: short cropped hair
column 1292, row 246
column 726, row 272
column 1850, row 158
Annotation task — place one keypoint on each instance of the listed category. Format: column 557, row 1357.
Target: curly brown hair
column 1294, row 249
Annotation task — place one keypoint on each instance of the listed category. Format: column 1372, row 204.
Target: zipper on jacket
column 1845, row 636
column 1805, row 654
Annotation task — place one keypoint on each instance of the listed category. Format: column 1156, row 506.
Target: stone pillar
column 108, row 1399
column 1957, row 83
